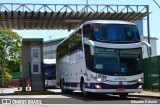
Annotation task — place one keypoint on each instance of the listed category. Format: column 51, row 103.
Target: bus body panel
column 71, row 68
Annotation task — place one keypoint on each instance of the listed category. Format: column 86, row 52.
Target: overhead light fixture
column 73, row 21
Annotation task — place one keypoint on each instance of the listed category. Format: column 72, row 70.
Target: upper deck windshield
column 115, row 33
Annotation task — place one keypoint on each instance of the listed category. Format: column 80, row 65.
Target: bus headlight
column 140, row 80
column 99, row 79
column 140, row 87
column 98, row 86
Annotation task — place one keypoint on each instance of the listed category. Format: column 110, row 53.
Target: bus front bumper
column 114, row 90
column 108, row 88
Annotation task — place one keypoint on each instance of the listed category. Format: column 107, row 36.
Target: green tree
column 10, row 52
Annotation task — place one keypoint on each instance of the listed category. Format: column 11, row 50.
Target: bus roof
column 49, row 61
column 109, row 22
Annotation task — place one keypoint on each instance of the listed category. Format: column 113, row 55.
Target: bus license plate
column 120, row 89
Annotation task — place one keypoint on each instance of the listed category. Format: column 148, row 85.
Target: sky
column 153, row 8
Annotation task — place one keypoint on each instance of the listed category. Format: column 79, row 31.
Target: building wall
column 153, row 44
column 49, row 48
column 140, row 26
column 152, row 40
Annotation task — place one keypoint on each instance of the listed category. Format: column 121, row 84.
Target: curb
column 145, row 96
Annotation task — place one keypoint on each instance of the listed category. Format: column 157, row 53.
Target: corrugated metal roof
column 65, row 17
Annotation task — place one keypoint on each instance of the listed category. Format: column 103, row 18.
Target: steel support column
column 148, row 25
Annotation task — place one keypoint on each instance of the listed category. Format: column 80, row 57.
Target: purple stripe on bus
column 103, row 85
column 107, row 86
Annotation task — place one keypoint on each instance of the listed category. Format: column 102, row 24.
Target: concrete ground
column 4, row 91
column 147, row 93
column 76, row 99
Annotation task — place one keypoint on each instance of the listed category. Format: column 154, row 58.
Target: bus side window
column 76, row 41
column 79, row 38
column 87, row 31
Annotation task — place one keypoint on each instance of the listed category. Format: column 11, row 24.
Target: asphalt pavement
column 68, row 100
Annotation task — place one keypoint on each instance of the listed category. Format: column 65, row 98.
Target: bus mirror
column 92, row 49
column 91, row 44
column 149, row 50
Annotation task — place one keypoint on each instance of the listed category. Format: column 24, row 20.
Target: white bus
column 101, row 57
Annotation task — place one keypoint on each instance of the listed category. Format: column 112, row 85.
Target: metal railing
column 9, row 7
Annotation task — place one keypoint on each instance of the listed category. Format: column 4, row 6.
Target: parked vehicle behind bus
column 50, row 73
column 102, row 57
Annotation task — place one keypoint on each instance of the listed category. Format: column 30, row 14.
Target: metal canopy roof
column 62, row 16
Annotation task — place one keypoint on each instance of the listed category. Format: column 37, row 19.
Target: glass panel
column 35, row 68
column 130, row 60
column 115, row 32
column 116, row 61
column 35, row 53
column 50, row 72
column 106, row 60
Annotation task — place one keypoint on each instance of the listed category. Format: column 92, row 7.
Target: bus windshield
column 115, row 32
column 111, row 61
column 50, row 72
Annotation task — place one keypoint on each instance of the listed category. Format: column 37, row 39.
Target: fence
column 151, row 68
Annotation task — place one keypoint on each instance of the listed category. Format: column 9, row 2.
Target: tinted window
column 50, row 72
column 115, row 32
column 87, row 31
column 70, row 45
column 75, row 42
column 114, row 61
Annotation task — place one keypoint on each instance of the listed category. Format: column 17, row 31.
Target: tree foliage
column 10, row 51
column 7, row 78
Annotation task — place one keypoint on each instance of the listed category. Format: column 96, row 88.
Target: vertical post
column 43, row 76
column 51, row 50
column 148, row 25
column 76, row 8
column 159, row 71
column 149, row 59
column 87, row 2
column 34, row 7
column 51, row 45
column 87, row 5
column 23, row 85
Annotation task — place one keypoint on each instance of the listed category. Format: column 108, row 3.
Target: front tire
column 63, row 90
column 84, row 93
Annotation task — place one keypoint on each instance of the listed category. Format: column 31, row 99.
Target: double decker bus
column 102, row 56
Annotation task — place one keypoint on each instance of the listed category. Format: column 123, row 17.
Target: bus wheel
column 63, row 90
column 84, row 93
column 124, row 95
